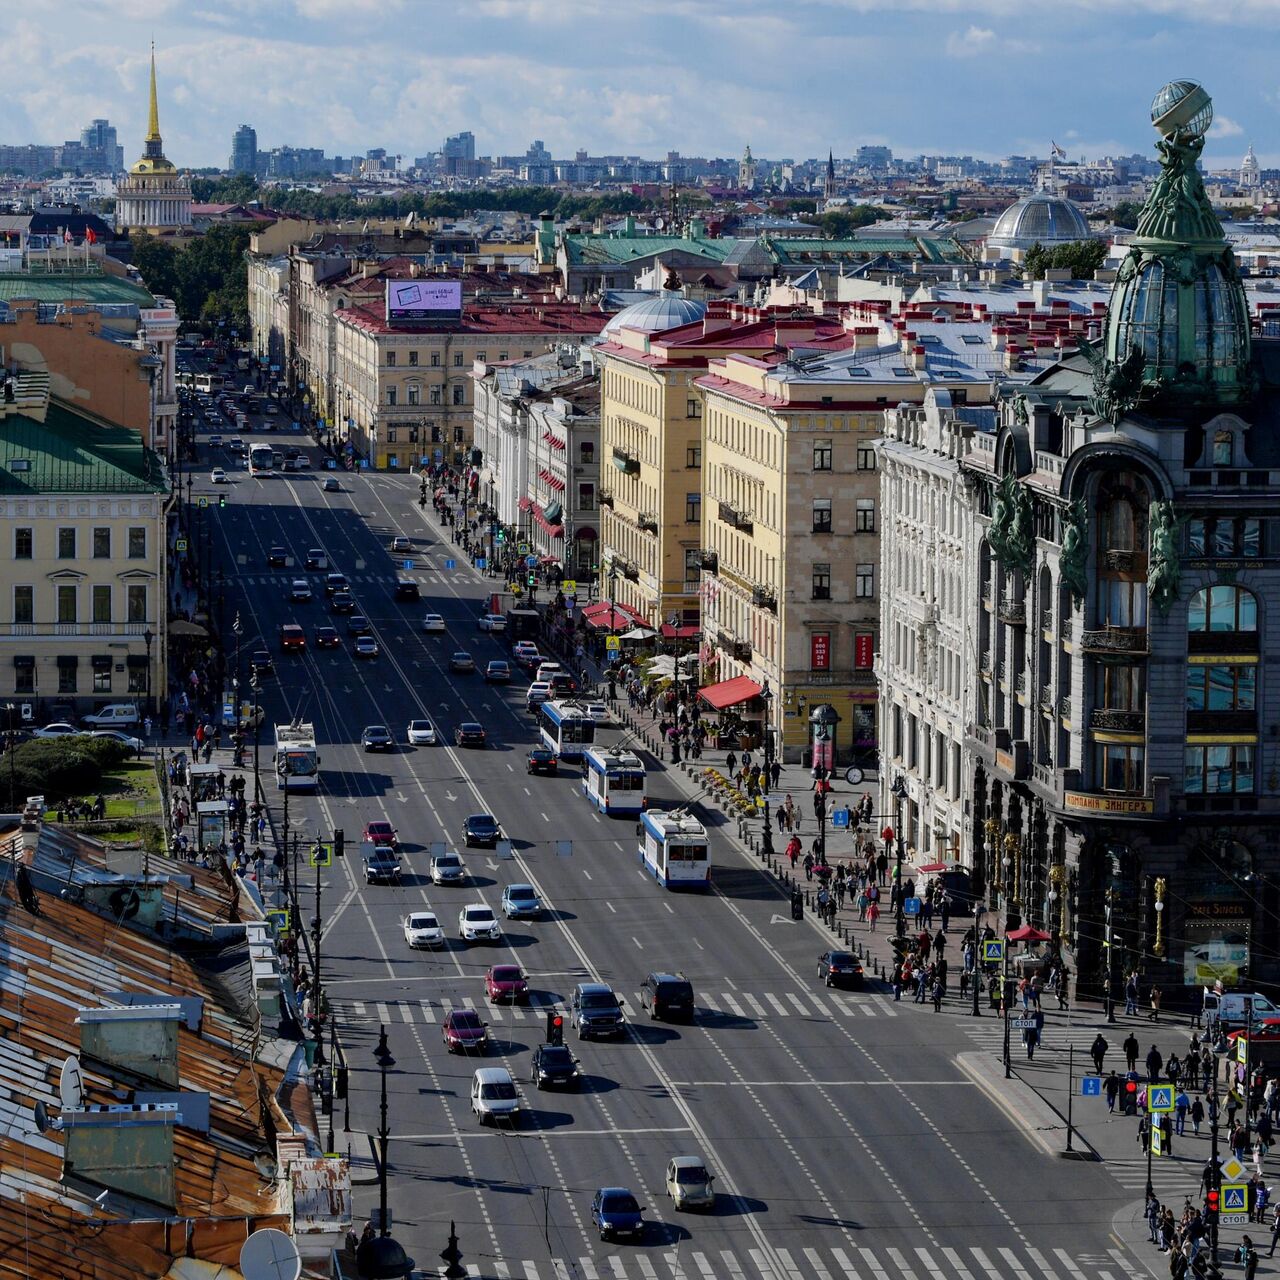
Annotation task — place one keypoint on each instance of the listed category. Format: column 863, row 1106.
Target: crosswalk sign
column 1235, row 1197
column 279, row 917
column 993, row 950
column 1159, row 1097
column 321, row 855
column 1157, row 1140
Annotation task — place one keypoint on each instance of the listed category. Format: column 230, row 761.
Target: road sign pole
column 1071, row 1087
column 1150, row 1130
column 1004, row 1004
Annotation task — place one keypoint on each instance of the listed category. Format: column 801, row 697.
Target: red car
column 463, row 1031
column 506, row 982
column 382, row 833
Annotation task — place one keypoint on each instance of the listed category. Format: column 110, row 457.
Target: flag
column 89, row 236
column 66, row 235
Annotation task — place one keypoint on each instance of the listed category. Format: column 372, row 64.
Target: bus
column 297, row 761
column 614, row 781
column 567, row 728
column 209, row 382
column 262, row 460
column 673, row 849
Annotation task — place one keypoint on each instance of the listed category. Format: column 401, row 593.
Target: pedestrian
column 731, row 762
column 775, row 772
column 1153, row 1216
column 1111, row 1087
column 146, row 726
column 1181, row 1105
column 1064, row 982
column 1155, row 1004
column 1155, row 1060
column 1275, row 1230
column 873, row 914
column 1197, row 1116
column 1248, row 1256
column 1130, row 1048
column 1131, row 995
column 1098, row 1051
column 808, row 866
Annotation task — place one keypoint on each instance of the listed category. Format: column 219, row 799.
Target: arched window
column 1223, row 607
column 1122, row 526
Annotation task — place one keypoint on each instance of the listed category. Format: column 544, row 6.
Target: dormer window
column 1222, row 453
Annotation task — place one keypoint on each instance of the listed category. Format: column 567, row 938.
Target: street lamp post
column 380, row 1257
column 257, row 725
column 148, row 637
column 899, row 790
column 1111, row 951
column 979, row 910
column 315, row 944
column 1216, row 1175
column 13, row 744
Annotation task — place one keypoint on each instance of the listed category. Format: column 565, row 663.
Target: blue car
column 616, row 1212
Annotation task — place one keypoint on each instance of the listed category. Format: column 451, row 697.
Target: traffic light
column 1130, row 1104
column 1211, row 1202
column 532, row 579
column 339, row 843
column 502, row 537
column 555, row 1027
column 222, row 501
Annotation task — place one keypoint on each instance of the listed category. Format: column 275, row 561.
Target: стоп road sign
column 1022, row 1024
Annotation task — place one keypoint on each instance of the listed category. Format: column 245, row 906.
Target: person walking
column 1181, row 1105
column 1131, row 995
column 1111, row 1087
column 1247, row 1255
column 1130, row 1047
column 1155, row 1060
column 1275, row 1230
column 1155, row 1004
column 1197, row 1116
column 1098, row 1052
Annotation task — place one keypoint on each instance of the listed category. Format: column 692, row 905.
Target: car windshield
column 479, row 915
column 376, row 731
column 464, row 1020
column 841, row 957
column 620, row 1204
column 423, row 922
column 481, row 821
column 507, row 973
column 449, row 860
column 503, row 1091
column 556, row 1056
column 418, row 725
column 520, row 893
column 692, row 1176
column 380, row 828
column 599, row 1000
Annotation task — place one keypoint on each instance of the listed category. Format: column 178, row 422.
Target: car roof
column 493, row 1075
column 594, row 988
column 511, row 888
column 471, row 724
column 442, row 857
column 481, row 817
column 667, row 977
column 616, row 1191
column 688, row 1162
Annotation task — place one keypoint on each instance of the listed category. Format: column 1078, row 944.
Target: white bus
column 297, row 761
column 614, row 781
column 568, row 728
column 262, row 460
column 209, row 382
column 673, row 849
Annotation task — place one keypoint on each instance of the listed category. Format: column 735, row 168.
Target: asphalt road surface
column 844, row 1140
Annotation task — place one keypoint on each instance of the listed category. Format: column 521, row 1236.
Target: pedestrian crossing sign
column 1242, row 1048
column 1157, row 1140
column 993, row 951
column 321, row 855
column 1160, row 1097
column 278, row 917
column 1235, row 1197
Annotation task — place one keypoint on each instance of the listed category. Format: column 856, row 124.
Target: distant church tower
column 154, row 197
column 829, row 182
column 747, row 172
column 1250, row 171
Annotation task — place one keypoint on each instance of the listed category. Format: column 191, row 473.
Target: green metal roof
column 69, row 453
column 599, row 250
column 84, row 286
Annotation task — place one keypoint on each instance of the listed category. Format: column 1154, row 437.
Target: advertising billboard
column 423, row 299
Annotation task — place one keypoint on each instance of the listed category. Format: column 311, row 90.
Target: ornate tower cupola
column 1177, row 335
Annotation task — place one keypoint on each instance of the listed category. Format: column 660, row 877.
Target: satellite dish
column 270, row 1255
column 71, row 1085
column 266, row 1164
column 42, row 1116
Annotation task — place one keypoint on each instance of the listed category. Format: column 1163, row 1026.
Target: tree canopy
column 840, row 224
column 1081, row 257
column 1126, row 214
column 207, row 278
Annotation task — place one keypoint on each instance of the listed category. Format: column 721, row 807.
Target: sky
column 986, row 78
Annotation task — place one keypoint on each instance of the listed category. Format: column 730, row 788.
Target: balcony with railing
column 740, row 520
column 38, row 629
column 605, row 498
column 710, row 561
column 648, row 522
column 1014, row 612
column 1113, row 720
column 1109, row 639
column 764, row 597
column 625, row 462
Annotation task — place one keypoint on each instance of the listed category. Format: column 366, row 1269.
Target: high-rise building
column 460, row 146
column 244, row 150
column 101, row 148
column 155, row 196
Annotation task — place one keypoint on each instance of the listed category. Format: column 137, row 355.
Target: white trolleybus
column 568, row 728
column 673, row 849
column 297, row 760
column 262, row 460
column 614, row 781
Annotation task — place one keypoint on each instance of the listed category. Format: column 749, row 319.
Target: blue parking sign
column 531, row 562
column 406, row 564
column 481, row 562
column 911, row 906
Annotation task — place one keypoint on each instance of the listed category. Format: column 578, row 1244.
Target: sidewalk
column 1038, row 1094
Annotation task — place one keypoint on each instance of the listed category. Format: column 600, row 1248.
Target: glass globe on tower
column 1182, row 110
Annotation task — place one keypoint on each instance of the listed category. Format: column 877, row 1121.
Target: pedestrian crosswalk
column 714, row 1008
column 1170, row 1177
column 799, row 1262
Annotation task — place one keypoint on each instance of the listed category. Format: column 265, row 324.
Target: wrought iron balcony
column 605, row 497
column 710, row 561
column 648, row 522
column 742, row 650
column 631, row 571
column 1013, row 612
column 1111, row 639
column 1117, row 721
column 625, row 462
column 739, row 520
column 765, row 597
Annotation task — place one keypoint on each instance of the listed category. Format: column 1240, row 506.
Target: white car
column 218, row 476
column 300, row 589
column 433, row 622
column 134, row 744
column 448, row 868
column 598, row 711
column 492, row 622
column 421, row 733
column 477, row 923
column 537, row 693
column 422, row 929
column 58, row 730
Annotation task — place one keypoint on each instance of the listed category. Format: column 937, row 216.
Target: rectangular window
column 137, row 603
column 66, row 544
column 692, row 568
column 822, row 582
column 137, row 542
column 693, row 456
column 414, row 393
column 413, row 359
column 820, row 651
column 66, row 679
column 866, row 458
column 1251, row 538
column 482, row 355
column 66, row 604
column 586, row 497
column 24, row 680
column 1222, row 688
column 391, row 435
column 865, row 582
column 24, row 604
column 102, row 604
column 587, row 453
column 1195, row 537
column 458, row 435
column 1219, row 770
column 102, row 678
column 101, row 543
column 137, row 679
column 435, row 359
column 391, row 395
column 822, row 455
column 693, row 409
column 435, row 395
column 502, row 355
column 692, row 508
column 1121, row 767
column 822, row 515
column 459, row 395
column 22, row 544
column 457, row 359
column 866, row 515
column 1224, row 538
column 391, row 359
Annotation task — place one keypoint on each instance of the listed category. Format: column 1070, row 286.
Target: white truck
column 297, row 761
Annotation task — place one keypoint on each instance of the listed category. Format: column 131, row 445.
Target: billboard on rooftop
column 423, row 299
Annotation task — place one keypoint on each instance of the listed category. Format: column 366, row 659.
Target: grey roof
column 668, row 310
column 1039, row 218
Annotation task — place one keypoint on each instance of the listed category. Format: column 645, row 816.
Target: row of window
column 864, row 515
column 824, row 456
column 413, row 395
column 864, row 581
column 68, row 542
column 24, row 678
column 459, row 358
column 1231, row 538
column 67, row 603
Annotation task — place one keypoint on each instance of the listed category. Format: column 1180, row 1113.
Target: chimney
column 919, row 358
column 792, row 330
column 1012, row 357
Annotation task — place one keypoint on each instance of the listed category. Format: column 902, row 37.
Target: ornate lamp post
column 148, row 637
column 899, row 791
column 380, row 1257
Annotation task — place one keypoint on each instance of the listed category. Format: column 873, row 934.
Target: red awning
column 555, row 482
column 525, row 503
column 729, row 693
column 555, row 530
column 679, row 633
column 609, row 620
column 553, row 440
column 592, row 610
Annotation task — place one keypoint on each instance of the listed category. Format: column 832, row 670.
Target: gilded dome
column 1040, row 218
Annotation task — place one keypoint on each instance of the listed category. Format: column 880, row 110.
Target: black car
column 541, row 760
column 469, row 734
column 481, row 829
column 407, row 589
column 358, row 625
column 276, row 557
column 327, row 638
column 343, row 602
column 316, row 559
column 335, row 582
column 667, row 995
column 377, row 737
column 562, row 682
column 553, row 1065
column 260, row 663
column 381, row 865
column 840, row 969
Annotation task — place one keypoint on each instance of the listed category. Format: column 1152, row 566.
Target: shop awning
column 679, row 633
column 555, row 530
column 605, row 620
column 730, row 693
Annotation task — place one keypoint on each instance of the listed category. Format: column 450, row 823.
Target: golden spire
column 153, row 121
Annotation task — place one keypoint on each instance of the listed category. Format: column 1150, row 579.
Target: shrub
column 58, row 768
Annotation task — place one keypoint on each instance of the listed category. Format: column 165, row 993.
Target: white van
column 115, row 715
column 1228, row 1009
column 494, row 1096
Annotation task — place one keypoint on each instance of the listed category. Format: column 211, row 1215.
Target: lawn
column 132, row 790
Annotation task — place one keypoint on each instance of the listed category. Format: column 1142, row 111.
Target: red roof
column 519, row 317
column 729, row 693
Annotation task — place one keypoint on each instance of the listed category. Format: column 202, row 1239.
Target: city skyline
column 977, row 65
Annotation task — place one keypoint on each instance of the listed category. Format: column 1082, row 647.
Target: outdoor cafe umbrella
column 1028, row 933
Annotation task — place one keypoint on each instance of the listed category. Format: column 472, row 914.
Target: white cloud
column 970, row 42
column 1225, row 127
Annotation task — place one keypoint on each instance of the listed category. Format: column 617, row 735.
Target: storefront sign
column 1087, row 803
column 820, row 651
column 864, row 651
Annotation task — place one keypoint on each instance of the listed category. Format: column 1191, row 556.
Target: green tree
column 213, row 278
column 1126, row 214
column 238, row 188
column 840, row 224
column 157, row 261
column 1081, row 257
